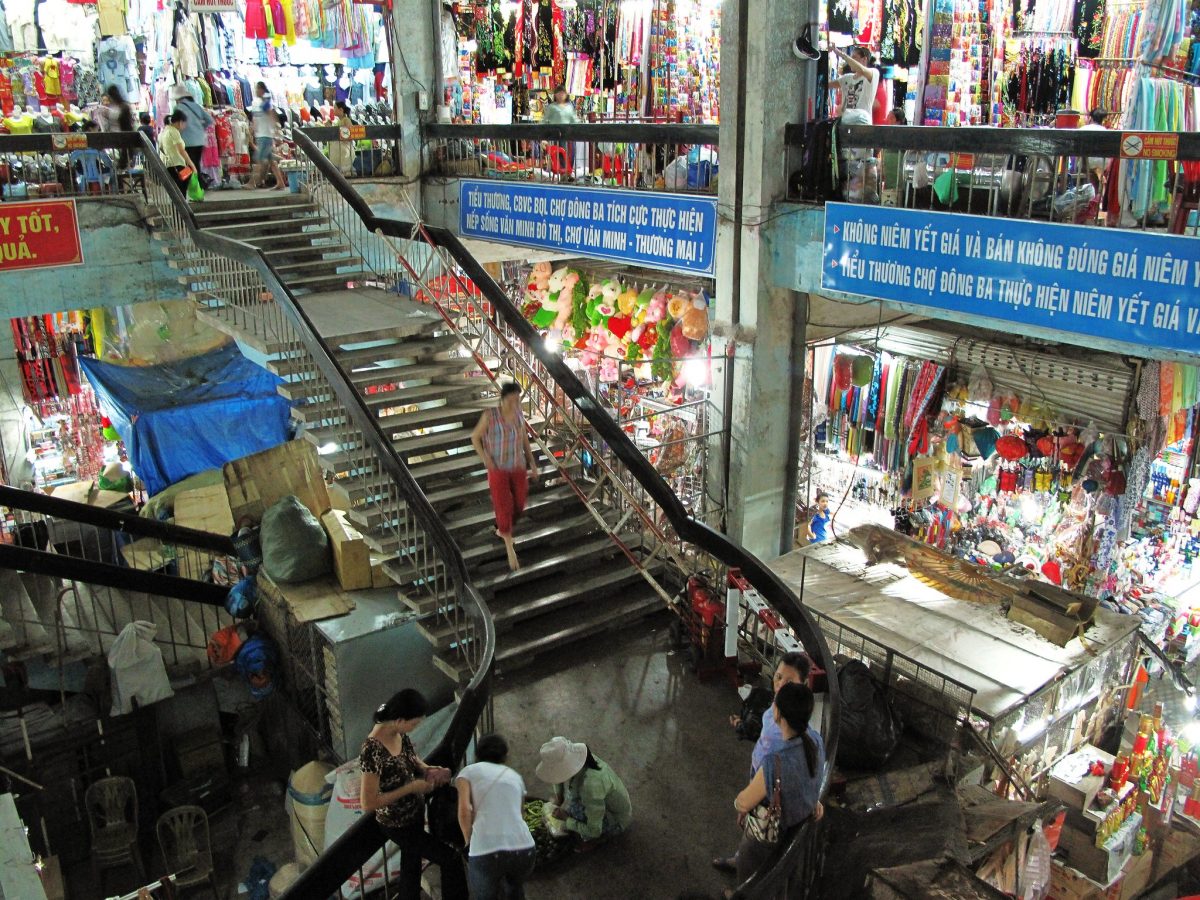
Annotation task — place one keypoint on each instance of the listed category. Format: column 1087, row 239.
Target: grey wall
column 121, row 265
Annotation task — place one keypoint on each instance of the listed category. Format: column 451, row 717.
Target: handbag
column 763, row 822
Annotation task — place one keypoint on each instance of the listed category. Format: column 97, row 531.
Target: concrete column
column 763, row 86
column 415, row 57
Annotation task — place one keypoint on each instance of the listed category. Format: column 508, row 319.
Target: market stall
column 639, row 339
column 309, row 55
column 1074, row 469
column 629, row 60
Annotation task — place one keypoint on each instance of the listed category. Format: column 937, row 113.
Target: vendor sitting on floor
column 591, row 800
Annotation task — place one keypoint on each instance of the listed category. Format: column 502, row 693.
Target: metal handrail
column 618, row 133
column 1001, row 141
column 770, row 587
column 130, row 523
column 352, row 846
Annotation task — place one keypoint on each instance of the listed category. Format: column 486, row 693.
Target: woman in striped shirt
column 502, row 442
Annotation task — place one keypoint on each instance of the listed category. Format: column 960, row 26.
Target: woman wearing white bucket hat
column 591, row 800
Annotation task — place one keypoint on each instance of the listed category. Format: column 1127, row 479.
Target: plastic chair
column 112, row 812
column 95, row 168
column 186, row 847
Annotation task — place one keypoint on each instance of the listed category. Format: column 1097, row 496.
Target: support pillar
column 763, row 86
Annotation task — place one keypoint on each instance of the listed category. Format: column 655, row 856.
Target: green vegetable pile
column 549, row 848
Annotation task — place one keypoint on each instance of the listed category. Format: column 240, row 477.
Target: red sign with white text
column 39, row 235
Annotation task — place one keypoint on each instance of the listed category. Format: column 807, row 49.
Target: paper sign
column 39, row 235
column 358, row 132
column 1149, row 145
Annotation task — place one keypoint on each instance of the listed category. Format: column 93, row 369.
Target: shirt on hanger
column 112, row 17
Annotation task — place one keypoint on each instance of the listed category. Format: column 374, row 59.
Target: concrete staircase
column 427, row 391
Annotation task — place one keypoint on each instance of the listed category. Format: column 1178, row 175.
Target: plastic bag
column 294, row 545
column 242, row 597
column 870, row 728
column 195, row 191
column 979, row 386
column 138, row 672
column 1035, row 879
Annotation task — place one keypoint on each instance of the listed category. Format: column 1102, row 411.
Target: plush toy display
column 606, row 320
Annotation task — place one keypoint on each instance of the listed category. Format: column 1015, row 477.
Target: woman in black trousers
column 394, row 784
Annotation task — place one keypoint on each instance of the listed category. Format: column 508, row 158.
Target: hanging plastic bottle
column 1035, row 879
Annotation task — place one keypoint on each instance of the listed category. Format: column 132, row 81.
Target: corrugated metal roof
column 1081, row 388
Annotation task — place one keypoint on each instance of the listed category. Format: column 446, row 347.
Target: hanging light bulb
column 553, row 341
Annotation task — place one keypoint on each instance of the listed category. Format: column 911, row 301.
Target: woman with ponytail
column 799, row 764
column 394, row 784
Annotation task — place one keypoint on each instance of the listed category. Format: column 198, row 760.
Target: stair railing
column 456, row 280
column 256, row 295
column 116, row 567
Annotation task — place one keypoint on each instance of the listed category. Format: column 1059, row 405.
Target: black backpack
column 819, row 177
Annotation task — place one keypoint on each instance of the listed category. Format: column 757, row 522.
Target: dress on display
column 256, row 20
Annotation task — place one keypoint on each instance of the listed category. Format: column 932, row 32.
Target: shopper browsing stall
column 394, row 783
column 490, row 797
column 858, row 86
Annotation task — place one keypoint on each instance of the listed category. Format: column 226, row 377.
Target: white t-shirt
column 497, row 795
column 858, row 92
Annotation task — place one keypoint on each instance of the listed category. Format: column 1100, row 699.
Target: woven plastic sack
column 979, row 387
column 294, row 545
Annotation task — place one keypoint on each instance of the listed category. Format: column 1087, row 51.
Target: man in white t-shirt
column 858, row 86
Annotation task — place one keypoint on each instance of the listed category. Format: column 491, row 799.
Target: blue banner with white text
column 1129, row 286
column 660, row 231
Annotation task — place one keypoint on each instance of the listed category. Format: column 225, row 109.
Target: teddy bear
column 593, row 347
column 656, row 309
column 695, row 319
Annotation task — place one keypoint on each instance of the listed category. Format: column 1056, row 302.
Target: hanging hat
column 861, row 370
column 561, row 760
column 843, row 372
column 1114, row 483
column 1090, row 485
column 1071, row 453
column 1053, row 571
column 989, row 548
column 985, row 440
column 1011, row 447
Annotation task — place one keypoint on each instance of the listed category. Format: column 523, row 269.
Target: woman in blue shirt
column 799, row 764
column 818, row 525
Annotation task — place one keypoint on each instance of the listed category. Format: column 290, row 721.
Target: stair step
column 519, row 646
column 412, row 349
column 425, row 443
column 404, row 422
column 304, row 251
column 379, row 376
column 318, row 412
column 206, row 215
column 288, row 270
column 245, row 231
column 303, row 238
column 330, row 281
column 461, row 492
column 225, row 200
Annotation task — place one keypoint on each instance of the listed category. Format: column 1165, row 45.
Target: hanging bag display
column 763, row 823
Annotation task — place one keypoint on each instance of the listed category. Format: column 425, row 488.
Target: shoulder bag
column 763, row 822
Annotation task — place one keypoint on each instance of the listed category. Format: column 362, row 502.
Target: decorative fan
column 954, row 577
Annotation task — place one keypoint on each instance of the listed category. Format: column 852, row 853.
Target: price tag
column 77, row 141
column 358, row 132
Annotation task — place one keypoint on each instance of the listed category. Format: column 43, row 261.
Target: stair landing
column 348, row 316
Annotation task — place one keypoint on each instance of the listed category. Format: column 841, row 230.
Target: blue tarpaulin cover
column 183, row 417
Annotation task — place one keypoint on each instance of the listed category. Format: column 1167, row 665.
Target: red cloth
column 256, row 20
column 882, row 105
column 509, row 490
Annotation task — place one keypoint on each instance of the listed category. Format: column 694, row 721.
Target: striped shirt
column 503, row 441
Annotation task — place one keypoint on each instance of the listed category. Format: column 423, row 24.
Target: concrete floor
column 664, row 732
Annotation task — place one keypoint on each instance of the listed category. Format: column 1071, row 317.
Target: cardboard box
column 1069, row 781
column 1101, row 864
column 351, row 556
column 254, row 483
column 205, row 509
